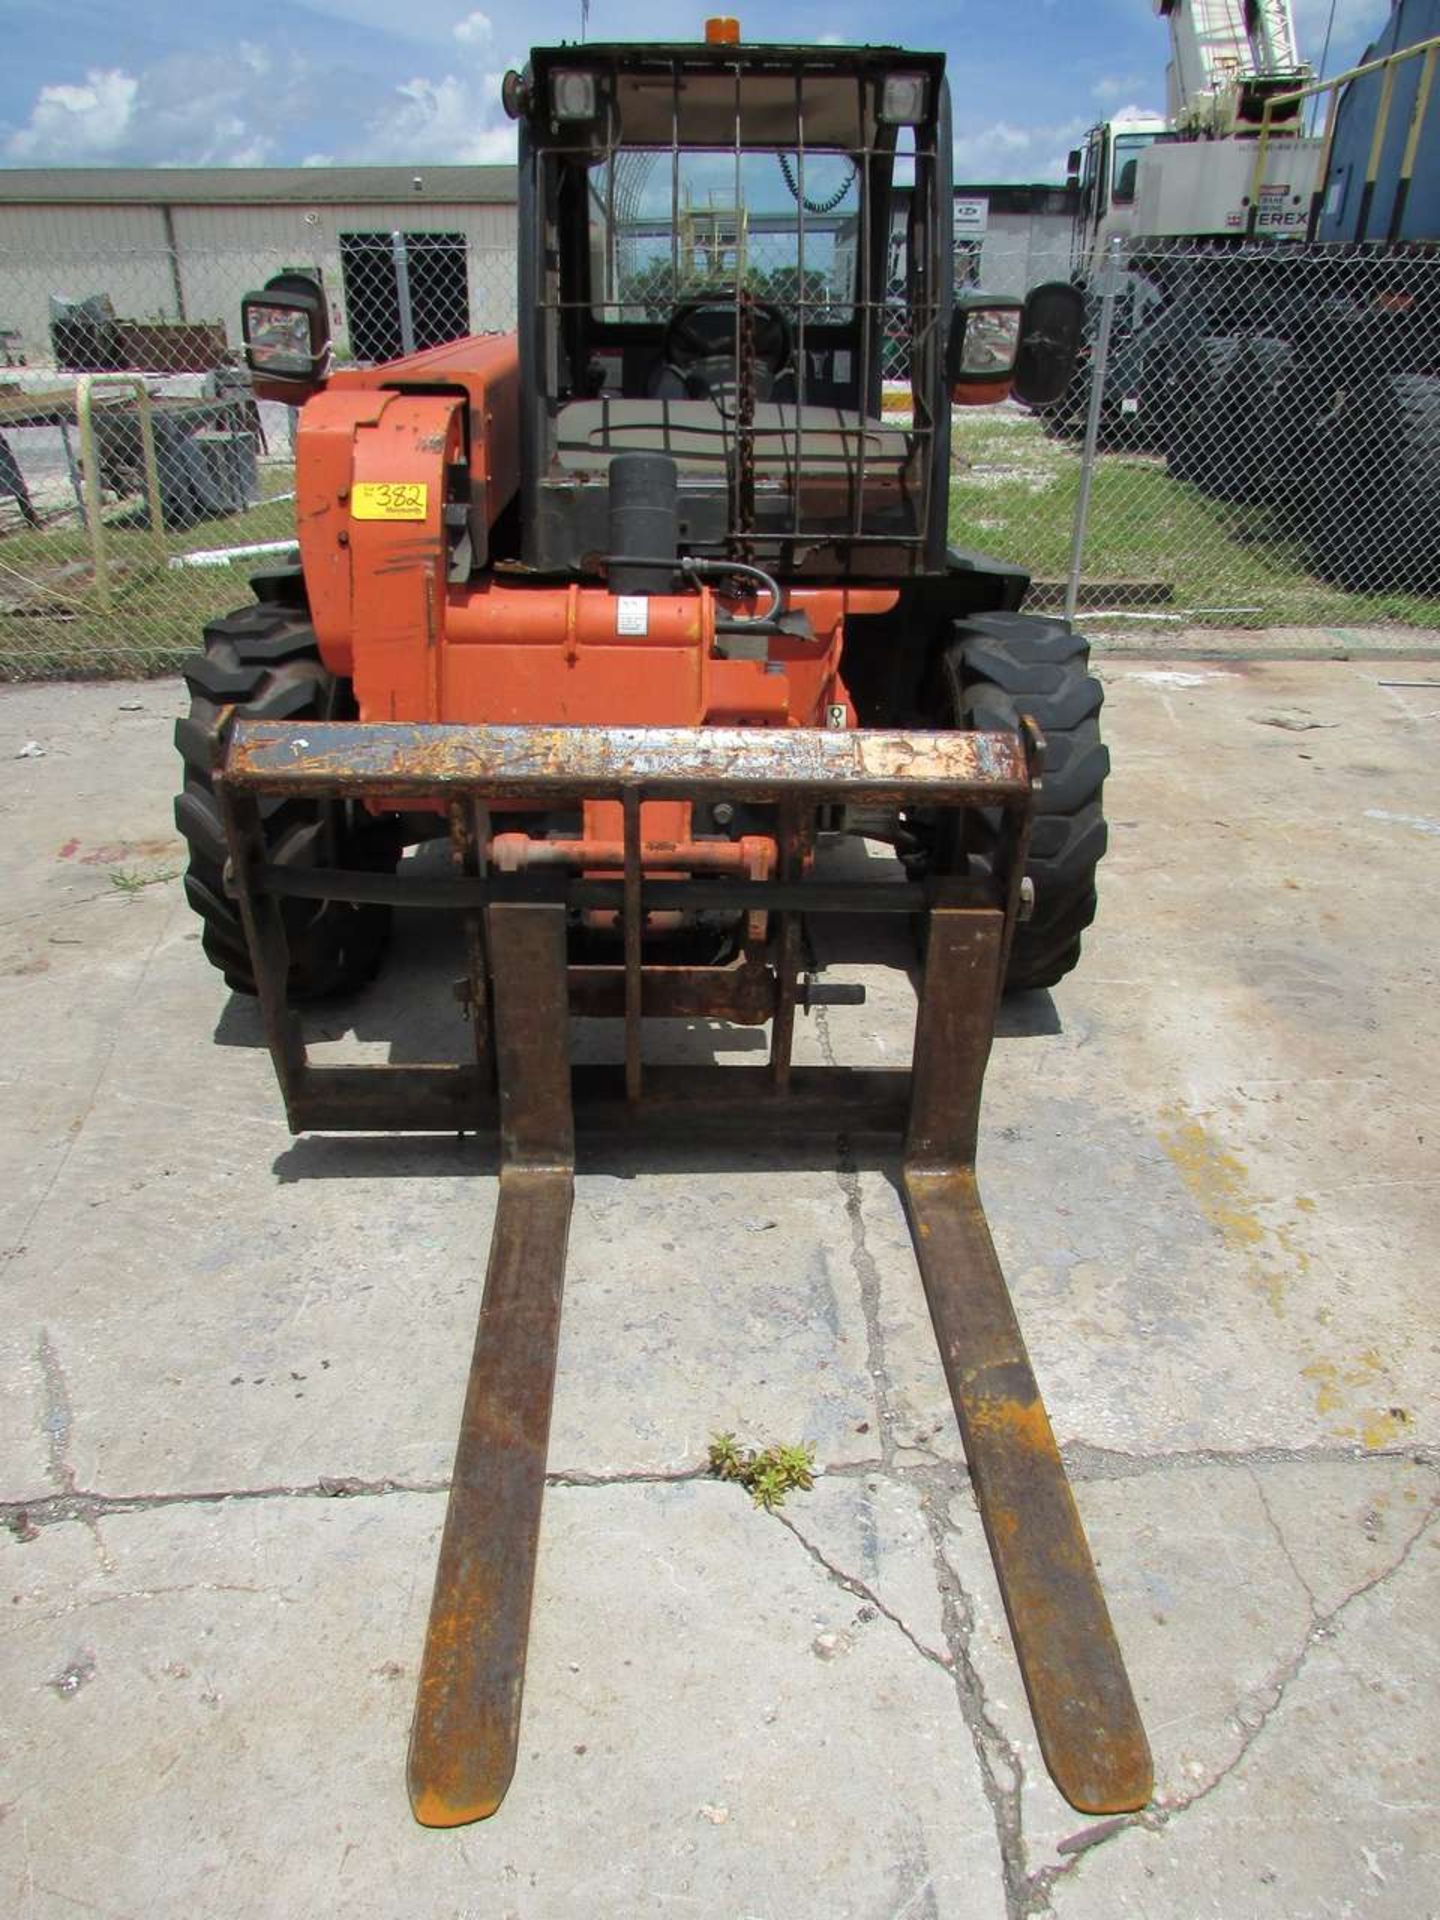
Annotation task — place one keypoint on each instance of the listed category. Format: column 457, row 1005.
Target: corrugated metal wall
column 196, row 262
column 53, row 250
column 1022, row 249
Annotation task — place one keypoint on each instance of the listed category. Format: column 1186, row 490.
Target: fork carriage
column 520, row 991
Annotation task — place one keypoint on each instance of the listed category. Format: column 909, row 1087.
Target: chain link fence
column 1254, row 438
column 1257, row 445
column 141, row 482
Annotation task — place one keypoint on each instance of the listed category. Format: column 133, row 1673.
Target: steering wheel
column 705, row 330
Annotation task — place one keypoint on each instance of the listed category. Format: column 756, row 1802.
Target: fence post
column 1109, row 286
column 399, row 253
column 152, row 470
column 90, row 468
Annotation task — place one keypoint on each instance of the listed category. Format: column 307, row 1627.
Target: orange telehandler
column 629, row 610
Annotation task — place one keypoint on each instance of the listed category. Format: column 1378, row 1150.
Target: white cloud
column 1114, row 86
column 1004, row 151
column 77, row 123
column 451, row 121
column 249, row 105
column 1131, row 112
column 226, row 109
column 474, row 30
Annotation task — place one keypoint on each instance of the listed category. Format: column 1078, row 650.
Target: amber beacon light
column 722, row 30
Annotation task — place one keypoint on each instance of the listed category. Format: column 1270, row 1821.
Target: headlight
column 572, row 94
column 902, row 99
column 278, row 341
column 286, row 329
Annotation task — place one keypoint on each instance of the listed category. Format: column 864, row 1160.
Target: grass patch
column 1014, row 494
column 156, row 612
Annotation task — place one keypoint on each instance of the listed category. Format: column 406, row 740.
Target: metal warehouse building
column 1010, row 236
column 185, row 243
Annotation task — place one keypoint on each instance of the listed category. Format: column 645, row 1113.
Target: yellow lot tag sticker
column 389, row 499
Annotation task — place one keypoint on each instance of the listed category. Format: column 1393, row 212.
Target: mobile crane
column 1189, row 174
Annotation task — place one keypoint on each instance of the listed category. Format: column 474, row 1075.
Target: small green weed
column 767, row 1475
column 130, row 880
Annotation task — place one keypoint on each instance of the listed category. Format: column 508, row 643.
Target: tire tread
column 263, row 661
column 997, row 668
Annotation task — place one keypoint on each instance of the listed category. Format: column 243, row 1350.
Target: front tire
column 997, row 667
column 264, row 663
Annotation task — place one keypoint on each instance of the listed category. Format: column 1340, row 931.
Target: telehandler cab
column 631, row 608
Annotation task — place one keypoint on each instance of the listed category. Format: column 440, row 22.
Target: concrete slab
column 1209, row 1163
column 1225, row 1581
column 1118, row 635
column 1328, row 1807
column 206, row 1711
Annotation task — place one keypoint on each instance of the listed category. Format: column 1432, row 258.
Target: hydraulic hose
column 697, row 568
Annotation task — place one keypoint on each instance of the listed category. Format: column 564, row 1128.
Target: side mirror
column 1050, row 335
column 984, row 340
column 286, row 328
column 1072, row 166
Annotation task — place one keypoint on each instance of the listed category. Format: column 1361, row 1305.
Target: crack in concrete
column 634, row 1477
column 57, row 1421
column 862, row 1263
column 1000, row 1768
column 1283, row 1544
column 851, row 1583
column 1002, row 1771
column 89, row 1602
column 1323, row 1626
column 1085, row 1462
column 24, row 1518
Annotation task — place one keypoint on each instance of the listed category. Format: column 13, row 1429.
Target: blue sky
column 287, row 82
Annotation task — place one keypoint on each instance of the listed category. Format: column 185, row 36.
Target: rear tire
column 264, row 662
column 1249, row 423
column 1415, row 524
column 998, row 667
column 1192, row 449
